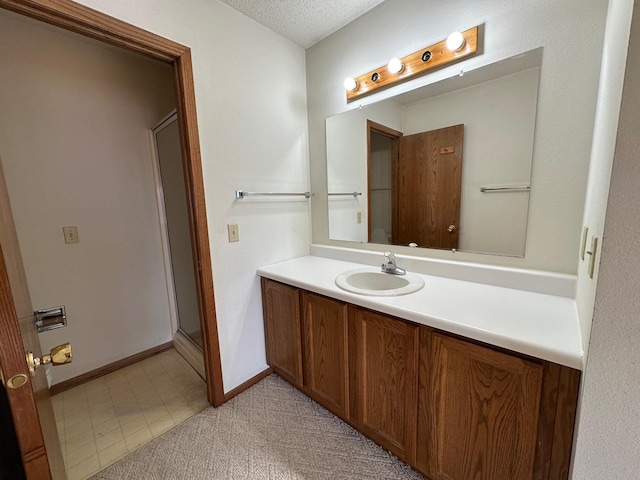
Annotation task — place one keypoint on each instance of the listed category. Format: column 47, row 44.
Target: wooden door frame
column 394, row 135
column 91, row 23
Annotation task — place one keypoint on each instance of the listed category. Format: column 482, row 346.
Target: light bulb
column 455, row 41
column 350, row 84
column 395, row 65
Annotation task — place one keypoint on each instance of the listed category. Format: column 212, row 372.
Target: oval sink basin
column 371, row 281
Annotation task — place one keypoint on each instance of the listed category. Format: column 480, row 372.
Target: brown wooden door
column 281, row 305
column 427, row 186
column 326, row 375
column 29, row 402
column 383, row 361
column 478, row 411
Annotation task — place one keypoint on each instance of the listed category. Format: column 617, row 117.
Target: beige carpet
column 271, row 431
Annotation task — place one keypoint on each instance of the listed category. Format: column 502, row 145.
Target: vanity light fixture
column 350, row 84
column 462, row 44
column 455, row 41
column 395, row 65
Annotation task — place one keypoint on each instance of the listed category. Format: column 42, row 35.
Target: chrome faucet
column 389, row 265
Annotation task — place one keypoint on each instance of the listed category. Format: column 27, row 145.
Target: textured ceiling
column 304, row 22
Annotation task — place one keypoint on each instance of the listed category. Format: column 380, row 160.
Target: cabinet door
column 281, row 305
column 383, row 361
column 478, row 411
column 326, row 376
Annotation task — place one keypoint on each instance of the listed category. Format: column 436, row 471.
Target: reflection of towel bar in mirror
column 517, row 188
column 354, row 194
column 244, row 193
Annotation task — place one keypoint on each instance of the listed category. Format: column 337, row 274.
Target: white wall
column 74, row 140
column 604, row 138
column 499, row 121
column 251, row 103
column 566, row 101
column 609, row 431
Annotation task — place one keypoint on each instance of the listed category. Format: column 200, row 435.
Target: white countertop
column 536, row 324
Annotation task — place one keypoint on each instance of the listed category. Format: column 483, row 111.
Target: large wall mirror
column 445, row 166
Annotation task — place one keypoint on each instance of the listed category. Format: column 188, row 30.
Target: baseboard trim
column 249, row 383
column 112, row 367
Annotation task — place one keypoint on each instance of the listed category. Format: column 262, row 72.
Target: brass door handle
column 60, row 355
column 451, row 228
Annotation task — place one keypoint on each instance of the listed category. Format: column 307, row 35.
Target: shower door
column 180, row 265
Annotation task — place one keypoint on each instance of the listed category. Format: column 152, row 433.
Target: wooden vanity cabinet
column 281, row 308
column 383, row 366
column 453, row 408
column 324, row 330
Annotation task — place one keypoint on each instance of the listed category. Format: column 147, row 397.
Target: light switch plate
column 70, row 234
column 234, row 234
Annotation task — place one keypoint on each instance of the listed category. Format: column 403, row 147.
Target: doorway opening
column 31, row 423
column 383, row 149
column 80, row 19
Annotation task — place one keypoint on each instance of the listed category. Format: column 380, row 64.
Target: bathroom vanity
column 460, row 379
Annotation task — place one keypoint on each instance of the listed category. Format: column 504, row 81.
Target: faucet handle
column 389, row 265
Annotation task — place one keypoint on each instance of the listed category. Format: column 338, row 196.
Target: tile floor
column 109, row 417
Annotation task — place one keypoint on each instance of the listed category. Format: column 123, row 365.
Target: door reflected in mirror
column 414, row 186
column 421, row 160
